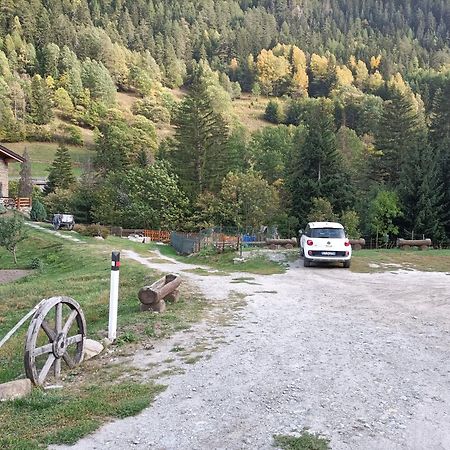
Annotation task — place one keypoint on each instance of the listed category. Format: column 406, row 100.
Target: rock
column 15, row 389
column 92, row 348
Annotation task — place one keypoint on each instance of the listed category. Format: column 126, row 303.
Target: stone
column 15, row 389
column 92, row 348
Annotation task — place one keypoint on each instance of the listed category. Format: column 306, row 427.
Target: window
column 328, row 233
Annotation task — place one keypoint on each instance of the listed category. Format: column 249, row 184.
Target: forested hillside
column 357, row 93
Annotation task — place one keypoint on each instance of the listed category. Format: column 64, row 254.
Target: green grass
column 306, row 441
column 42, row 155
column 83, row 273
column 224, row 262
column 382, row 260
column 63, row 417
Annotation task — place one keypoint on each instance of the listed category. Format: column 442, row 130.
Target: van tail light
column 309, row 242
column 347, row 243
column 347, row 253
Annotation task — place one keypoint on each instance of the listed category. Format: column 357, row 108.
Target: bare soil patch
column 6, row 276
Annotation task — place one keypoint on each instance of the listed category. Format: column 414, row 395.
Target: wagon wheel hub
column 56, row 335
column 60, row 345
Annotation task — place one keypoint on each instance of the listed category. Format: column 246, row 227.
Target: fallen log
column 153, row 297
column 405, row 244
column 286, row 243
column 357, row 244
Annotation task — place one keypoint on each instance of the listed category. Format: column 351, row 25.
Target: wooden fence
column 18, row 203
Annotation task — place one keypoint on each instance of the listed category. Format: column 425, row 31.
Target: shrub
column 2, row 209
column 273, row 112
column 36, row 263
column 70, row 134
column 150, row 108
column 38, row 212
column 93, row 230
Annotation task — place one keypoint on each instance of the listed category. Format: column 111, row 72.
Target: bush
column 2, row 209
column 93, row 230
column 36, row 263
column 150, row 108
column 38, row 212
column 273, row 112
column 70, row 134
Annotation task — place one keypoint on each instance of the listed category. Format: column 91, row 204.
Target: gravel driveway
column 363, row 359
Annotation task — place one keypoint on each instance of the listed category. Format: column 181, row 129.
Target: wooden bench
column 153, row 297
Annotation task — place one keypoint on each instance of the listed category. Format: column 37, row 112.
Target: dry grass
column 366, row 261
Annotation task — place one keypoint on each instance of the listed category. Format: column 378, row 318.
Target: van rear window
column 327, row 233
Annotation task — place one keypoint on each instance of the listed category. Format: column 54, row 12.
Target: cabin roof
column 6, row 153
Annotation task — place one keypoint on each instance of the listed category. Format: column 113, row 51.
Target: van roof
column 325, row 225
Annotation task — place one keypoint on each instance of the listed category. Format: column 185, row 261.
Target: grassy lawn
column 42, row 155
column 393, row 259
column 223, row 262
column 83, row 273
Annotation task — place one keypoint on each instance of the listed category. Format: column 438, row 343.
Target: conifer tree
column 60, row 174
column 316, row 169
column 25, row 181
column 400, row 129
column 40, row 102
column 201, row 155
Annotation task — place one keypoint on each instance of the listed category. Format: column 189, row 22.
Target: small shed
column 6, row 156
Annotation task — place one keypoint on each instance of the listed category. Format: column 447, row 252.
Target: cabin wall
column 3, row 178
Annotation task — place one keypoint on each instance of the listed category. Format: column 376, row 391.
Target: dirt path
column 7, row 276
column 361, row 358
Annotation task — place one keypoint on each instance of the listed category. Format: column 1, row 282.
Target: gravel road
column 363, row 359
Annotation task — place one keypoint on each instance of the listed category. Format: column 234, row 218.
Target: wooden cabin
column 6, row 157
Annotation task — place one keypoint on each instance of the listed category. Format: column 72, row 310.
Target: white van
column 325, row 241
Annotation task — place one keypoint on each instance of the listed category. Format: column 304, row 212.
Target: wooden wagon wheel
column 47, row 345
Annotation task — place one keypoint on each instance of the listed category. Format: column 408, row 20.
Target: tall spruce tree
column 60, row 175
column 40, row 102
column 317, row 169
column 25, row 181
column 201, row 156
column 399, row 131
column 440, row 142
column 421, row 193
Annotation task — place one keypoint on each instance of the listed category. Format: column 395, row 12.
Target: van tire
column 347, row 264
column 306, row 262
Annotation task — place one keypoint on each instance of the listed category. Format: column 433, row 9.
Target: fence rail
column 18, row 203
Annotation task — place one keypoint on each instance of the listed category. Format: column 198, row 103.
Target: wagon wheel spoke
column 57, row 368
column 48, row 364
column 48, row 330
column 42, row 350
column 58, row 318
column 69, row 361
column 69, row 321
column 74, row 339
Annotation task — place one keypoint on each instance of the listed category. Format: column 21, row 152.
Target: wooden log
column 289, row 246
column 159, row 289
column 157, row 307
column 281, row 241
column 407, row 243
column 173, row 297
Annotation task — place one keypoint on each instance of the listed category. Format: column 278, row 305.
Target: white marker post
column 114, row 296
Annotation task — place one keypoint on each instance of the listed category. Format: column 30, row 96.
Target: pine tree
column 60, row 174
column 316, row 169
column 201, row 156
column 400, row 130
column 25, row 181
column 40, row 102
column 440, row 142
column 421, row 193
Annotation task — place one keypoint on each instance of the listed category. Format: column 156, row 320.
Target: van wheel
column 347, row 264
column 306, row 262
column 302, row 252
